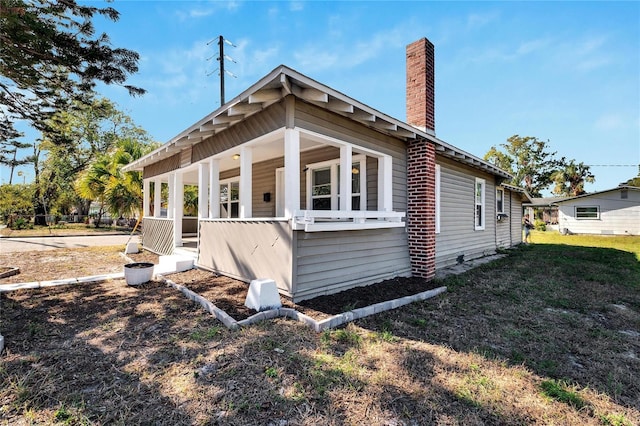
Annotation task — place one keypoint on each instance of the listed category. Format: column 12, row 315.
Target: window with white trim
column 499, row 200
column 479, row 212
column 588, row 212
column 230, row 198
column 323, row 184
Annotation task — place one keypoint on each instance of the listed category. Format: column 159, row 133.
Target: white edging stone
column 318, row 326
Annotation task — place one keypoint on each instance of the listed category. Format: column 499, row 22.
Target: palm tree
column 120, row 193
column 570, row 178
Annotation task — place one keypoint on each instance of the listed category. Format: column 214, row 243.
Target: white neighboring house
column 612, row 212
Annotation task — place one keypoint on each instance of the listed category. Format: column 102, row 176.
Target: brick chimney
column 421, row 90
column 421, row 160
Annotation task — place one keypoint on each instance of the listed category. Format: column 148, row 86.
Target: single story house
column 302, row 184
column 614, row 211
column 544, row 209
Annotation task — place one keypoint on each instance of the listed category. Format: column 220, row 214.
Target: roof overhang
column 627, row 187
column 284, row 81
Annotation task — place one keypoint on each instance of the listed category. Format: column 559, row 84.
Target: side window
column 499, row 200
column 479, row 204
column 592, row 212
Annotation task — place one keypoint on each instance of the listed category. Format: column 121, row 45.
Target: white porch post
column 157, row 197
column 178, row 208
column 146, row 198
column 291, row 172
column 385, row 184
column 346, row 164
column 171, row 201
column 246, row 178
column 214, row 188
column 203, row 190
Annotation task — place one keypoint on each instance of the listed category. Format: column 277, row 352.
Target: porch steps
column 173, row 263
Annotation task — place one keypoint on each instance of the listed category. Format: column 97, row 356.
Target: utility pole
column 221, row 58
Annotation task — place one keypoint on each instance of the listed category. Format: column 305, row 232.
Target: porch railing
column 341, row 220
column 157, row 235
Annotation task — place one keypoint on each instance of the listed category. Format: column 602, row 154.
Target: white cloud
column 479, row 20
column 296, row 6
column 608, row 122
column 332, row 55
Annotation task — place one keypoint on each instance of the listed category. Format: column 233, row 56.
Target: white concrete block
column 173, row 263
column 132, row 247
column 263, row 295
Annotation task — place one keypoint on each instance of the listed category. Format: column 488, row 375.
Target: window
column 499, row 200
column 230, row 199
column 321, row 189
column 588, row 212
column 323, row 185
column 479, row 212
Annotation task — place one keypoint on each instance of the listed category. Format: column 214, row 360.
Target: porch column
column 203, row 192
column 291, row 172
column 214, row 188
column 157, row 197
column 146, row 198
column 346, row 164
column 385, row 184
column 172, row 195
column 246, row 178
column 178, row 208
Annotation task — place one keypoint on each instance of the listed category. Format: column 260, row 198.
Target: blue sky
column 567, row 72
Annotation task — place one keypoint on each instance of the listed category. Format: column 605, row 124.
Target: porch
column 252, row 211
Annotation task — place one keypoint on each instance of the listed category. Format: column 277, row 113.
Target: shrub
column 539, row 225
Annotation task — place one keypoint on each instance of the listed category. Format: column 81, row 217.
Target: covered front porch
column 253, row 208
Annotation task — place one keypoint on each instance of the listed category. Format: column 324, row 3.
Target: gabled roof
column 284, row 81
column 628, row 187
column 545, row 201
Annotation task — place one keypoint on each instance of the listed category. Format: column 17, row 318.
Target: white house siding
column 457, row 235
column 618, row 216
column 328, row 262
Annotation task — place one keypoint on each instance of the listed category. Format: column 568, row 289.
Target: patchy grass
column 548, row 335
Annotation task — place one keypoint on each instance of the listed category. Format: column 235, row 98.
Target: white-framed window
column 437, row 198
column 230, row 198
column 323, row 184
column 587, row 212
column 479, row 212
column 499, row 200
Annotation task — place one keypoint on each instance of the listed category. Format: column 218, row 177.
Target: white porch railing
column 340, row 220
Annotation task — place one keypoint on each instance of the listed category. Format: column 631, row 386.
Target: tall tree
column 51, row 55
column 528, row 159
column 82, row 135
column 570, row 178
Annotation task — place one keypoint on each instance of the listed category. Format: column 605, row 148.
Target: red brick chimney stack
column 421, row 90
column 421, row 160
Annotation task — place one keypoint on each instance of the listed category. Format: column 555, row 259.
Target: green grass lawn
column 630, row 243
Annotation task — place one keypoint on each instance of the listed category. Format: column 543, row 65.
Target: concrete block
column 1, row 343
column 132, row 247
column 263, row 295
column 173, row 263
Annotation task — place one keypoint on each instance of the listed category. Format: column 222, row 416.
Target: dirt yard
column 502, row 347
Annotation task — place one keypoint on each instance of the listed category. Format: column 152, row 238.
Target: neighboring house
column 612, row 212
column 304, row 185
column 544, row 209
